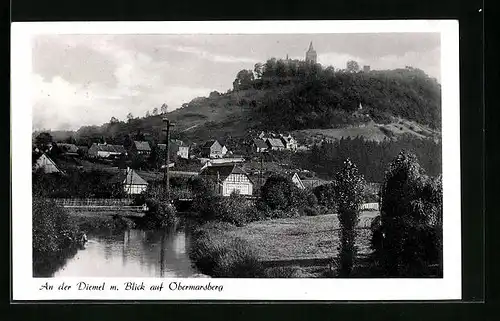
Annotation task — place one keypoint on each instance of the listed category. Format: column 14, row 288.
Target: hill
column 313, row 102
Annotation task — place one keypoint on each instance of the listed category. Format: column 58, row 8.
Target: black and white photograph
column 242, row 155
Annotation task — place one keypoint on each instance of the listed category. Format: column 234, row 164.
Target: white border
column 25, row 287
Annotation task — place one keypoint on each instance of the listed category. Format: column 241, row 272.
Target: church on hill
column 311, row 55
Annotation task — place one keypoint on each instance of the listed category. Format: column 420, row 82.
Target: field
column 302, row 239
column 370, row 131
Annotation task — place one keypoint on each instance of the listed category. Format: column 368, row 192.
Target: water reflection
column 132, row 253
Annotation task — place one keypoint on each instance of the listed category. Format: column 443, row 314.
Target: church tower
column 311, row 55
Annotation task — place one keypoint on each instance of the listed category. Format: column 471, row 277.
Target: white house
column 132, row 183
column 289, row 142
column 213, row 149
column 228, row 178
column 46, row 164
column 297, row 181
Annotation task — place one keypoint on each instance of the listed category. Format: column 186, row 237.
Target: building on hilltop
column 366, row 68
column 311, row 55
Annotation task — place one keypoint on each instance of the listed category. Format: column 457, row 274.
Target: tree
column 114, row 120
column 214, row 94
column 244, row 80
column 130, row 117
column 258, row 70
column 279, row 193
column 164, row 109
column 352, row 66
column 43, row 140
column 350, row 195
column 148, row 114
column 409, row 238
column 326, row 195
column 155, row 111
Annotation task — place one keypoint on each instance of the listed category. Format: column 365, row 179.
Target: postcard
column 236, row 160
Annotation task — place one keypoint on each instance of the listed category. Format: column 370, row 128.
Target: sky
column 83, row 80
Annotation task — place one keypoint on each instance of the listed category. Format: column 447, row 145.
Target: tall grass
column 218, row 254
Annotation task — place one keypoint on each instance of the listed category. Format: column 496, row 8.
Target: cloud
column 210, row 56
column 337, row 60
column 59, row 104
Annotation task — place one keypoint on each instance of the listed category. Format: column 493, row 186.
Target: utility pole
column 167, row 157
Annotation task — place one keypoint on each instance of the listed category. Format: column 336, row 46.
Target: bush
column 326, row 196
column 311, row 211
column 409, row 238
column 54, row 235
column 279, row 193
column 218, row 254
column 160, row 214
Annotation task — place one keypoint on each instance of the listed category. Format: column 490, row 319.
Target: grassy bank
column 280, row 248
column 302, row 238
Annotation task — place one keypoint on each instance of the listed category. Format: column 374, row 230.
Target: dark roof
column 260, row 143
column 275, row 142
column 142, row 145
column 222, row 171
column 209, row 143
column 69, row 148
column 128, row 177
column 110, row 148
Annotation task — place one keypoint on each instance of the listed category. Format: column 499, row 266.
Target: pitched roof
column 109, row 148
column 209, row 143
column 259, row 143
column 128, row 177
column 142, row 145
column 275, row 142
column 222, row 171
column 69, row 148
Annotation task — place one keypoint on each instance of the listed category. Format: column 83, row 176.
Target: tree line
column 371, row 157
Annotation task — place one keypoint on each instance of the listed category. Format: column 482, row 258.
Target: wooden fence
column 93, row 202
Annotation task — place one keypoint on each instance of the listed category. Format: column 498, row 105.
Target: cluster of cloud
column 87, row 79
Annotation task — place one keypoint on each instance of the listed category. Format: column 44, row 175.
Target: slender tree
column 350, row 194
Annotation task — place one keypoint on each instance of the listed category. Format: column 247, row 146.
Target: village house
column 289, row 142
column 46, row 164
column 297, row 181
column 275, row 144
column 106, row 151
column 131, row 182
column 213, row 149
column 228, row 178
column 68, row 149
column 140, row 148
column 259, row 146
column 177, row 147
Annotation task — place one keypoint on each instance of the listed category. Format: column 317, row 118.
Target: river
column 132, row 253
